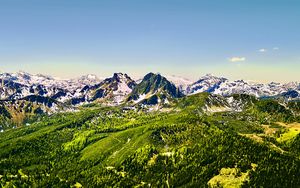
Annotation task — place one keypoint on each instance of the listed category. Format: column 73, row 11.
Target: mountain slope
column 16, row 112
column 107, row 147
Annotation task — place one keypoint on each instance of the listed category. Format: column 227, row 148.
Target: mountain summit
column 111, row 90
column 207, row 83
column 154, row 89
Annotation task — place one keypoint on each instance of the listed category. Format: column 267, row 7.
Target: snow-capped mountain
column 180, row 82
column 89, row 79
column 49, row 81
column 111, row 91
column 22, row 84
column 207, row 83
column 225, row 87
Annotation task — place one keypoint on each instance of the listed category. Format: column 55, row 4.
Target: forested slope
column 184, row 147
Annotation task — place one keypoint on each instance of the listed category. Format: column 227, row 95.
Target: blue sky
column 239, row 39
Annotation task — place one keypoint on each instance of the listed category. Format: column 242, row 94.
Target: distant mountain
column 207, row 83
column 154, row 89
column 225, row 87
column 89, row 79
column 22, row 84
column 180, row 82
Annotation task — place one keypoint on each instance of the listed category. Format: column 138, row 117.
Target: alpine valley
column 158, row 131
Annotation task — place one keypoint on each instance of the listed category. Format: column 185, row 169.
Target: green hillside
column 184, row 147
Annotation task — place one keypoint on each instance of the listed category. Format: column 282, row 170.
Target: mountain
column 207, row 83
column 180, row 82
column 154, row 89
column 22, row 84
column 209, row 103
column 225, row 87
column 28, row 79
column 111, row 91
column 89, row 79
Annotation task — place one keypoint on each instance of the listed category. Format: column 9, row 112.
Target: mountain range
column 121, row 88
column 159, row 131
column 23, row 95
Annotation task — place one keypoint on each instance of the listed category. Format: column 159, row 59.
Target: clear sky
column 239, row 39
